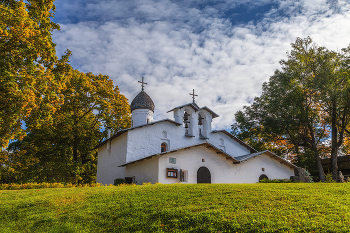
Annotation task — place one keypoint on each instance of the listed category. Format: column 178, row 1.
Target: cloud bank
column 225, row 50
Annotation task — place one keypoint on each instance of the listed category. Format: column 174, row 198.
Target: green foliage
column 284, row 207
column 329, row 178
column 119, row 181
column 14, row 186
column 309, row 175
column 266, row 180
column 298, row 106
column 27, row 60
column 307, row 161
column 66, row 112
column 63, row 150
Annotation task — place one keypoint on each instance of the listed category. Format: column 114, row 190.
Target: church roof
column 243, row 158
column 205, row 144
column 140, row 126
column 192, row 105
column 252, row 150
column 142, row 101
column 212, row 112
column 196, row 108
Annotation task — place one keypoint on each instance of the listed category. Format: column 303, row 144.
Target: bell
column 186, row 125
column 186, row 115
column 200, row 118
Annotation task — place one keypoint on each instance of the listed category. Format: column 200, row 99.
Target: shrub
column 119, row 181
column 309, row 175
column 265, row 180
column 125, row 184
column 329, row 178
column 35, row 185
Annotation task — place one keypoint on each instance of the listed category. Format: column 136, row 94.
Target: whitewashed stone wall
column 109, row 160
column 222, row 170
column 141, row 117
column 144, row 172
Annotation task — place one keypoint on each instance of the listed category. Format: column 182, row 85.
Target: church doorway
column 203, row 175
column 263, row 176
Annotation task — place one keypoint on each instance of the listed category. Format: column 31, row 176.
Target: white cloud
column 178, row 48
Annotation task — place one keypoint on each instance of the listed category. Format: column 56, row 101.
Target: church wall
column 147, row 140
column 272, row 169
column 109, row 160
column 143, row 172
column 221, row 169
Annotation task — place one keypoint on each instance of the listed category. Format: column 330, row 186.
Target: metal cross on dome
column 193, row 95
column 143, row 83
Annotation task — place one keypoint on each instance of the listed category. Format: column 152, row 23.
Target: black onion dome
column 142, row 101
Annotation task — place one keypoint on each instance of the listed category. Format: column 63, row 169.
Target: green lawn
column 317, row 207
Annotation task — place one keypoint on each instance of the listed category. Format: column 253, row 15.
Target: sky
column 224, row 50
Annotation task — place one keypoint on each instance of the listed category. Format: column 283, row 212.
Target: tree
column 301, row 101
column 63, row 149
column 27, row 58
column 333, row 83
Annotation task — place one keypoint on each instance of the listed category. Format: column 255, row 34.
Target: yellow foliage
column 26, row 58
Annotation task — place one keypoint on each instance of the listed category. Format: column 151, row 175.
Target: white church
column 184, row 149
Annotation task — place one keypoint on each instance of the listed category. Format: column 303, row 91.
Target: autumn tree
column 300, row 103
column 27, row 58
column 332, row 81
column 63, row 149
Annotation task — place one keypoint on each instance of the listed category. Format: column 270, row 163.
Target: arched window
column 164, row 134
column 163, row 147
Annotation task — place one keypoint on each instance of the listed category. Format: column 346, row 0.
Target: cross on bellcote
column 193, row 95
column 143, row 83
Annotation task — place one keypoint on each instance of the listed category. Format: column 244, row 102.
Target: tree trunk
column 75, row 154
column 313, row 147
column 335, row 146
column 318, row 161
column 319, row 167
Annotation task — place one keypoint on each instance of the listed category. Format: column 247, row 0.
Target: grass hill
column 285, row 207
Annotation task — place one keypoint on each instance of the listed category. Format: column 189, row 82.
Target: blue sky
column 224, row 50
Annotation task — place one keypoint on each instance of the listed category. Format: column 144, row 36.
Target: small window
column 183, row 175
column 147, row 120
column 163, row 147
column 203, row 160
column 164, row 134
column 171, row 173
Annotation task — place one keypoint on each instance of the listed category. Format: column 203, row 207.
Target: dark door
column 203, row 175
column 263, row 176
